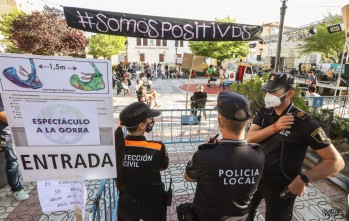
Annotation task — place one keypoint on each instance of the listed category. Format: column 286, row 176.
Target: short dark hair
column 312, row 89
column 233, row 125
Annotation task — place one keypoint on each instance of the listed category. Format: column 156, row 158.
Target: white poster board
column 74, row 89
column 67, row 123
column 55, row 75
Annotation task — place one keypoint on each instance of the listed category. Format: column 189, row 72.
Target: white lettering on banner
column 186, row 31
column 65, row 161
column 240, row 177
column 132, row 160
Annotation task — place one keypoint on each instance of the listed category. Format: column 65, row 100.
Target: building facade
column 142, row 50
column 291, row 46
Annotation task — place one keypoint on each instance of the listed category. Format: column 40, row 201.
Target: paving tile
column 320, row 196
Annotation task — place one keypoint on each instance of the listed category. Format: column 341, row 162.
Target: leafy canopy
column 105, row 46
column 44, row 33
column 220, row 50
column 329, row 45
column 6, row 29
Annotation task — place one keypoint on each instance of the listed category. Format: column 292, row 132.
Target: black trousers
column 277, row 209
column 132, row 209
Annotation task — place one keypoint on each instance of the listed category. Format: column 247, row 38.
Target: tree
column 329, row 45
column 220, row 50
column 45, row 33
column 105, row 46
column 6, row 26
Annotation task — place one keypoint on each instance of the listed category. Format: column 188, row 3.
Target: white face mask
column 273, row 101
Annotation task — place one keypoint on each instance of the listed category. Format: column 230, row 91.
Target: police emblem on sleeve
column 319, row 135
column 300, row 114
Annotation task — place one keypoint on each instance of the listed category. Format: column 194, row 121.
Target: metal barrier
column 180, row 126
column 340, row 104
column 108, row 193
column 172, row 126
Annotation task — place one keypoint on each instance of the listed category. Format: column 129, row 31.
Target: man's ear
column 291, row 93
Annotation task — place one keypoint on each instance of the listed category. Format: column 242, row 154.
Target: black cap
column 229, row 103
column 277, row 81
column 136, row 113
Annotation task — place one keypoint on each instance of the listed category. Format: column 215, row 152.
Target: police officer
column 227, row 171
column 138, row 166
column 284, row 133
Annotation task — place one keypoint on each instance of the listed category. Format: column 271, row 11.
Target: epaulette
column 300, row 114
column 206, row 146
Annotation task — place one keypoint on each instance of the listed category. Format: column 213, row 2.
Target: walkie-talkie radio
column 169, row 194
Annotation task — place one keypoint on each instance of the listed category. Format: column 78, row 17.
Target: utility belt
column 140, row 199
column 275, row 180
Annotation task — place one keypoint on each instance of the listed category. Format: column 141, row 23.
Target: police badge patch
column 300, row 114
column 320, row 136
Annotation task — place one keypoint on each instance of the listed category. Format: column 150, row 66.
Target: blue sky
column 256, row 12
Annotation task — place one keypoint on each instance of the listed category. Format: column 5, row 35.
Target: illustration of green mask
column 94, row 82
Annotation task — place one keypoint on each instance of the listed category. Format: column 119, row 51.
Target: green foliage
column 329, row 45
column 6, row 28
column 298, row 100
column 219, row 50
column 339, row 126
column 105, row 46
column 44, row 33
column 251, row 89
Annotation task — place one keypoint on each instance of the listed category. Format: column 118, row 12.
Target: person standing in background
column 12, row 171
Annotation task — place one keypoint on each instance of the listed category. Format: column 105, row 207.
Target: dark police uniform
column 227, row 175
column 284, row 154
column 141, row 189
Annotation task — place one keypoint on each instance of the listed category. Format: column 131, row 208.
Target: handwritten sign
column 61, row 195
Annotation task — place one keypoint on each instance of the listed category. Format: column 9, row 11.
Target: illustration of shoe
column 93, row 82
column 32, row 79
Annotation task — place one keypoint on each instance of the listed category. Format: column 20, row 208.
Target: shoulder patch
column 319, row 135
column 206, row 146
column 300, row 114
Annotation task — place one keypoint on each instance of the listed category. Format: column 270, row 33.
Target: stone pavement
column 322, row 200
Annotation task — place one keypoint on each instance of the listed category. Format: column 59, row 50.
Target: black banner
column 154, row 27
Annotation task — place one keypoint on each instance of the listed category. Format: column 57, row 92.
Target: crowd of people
column 234, row 173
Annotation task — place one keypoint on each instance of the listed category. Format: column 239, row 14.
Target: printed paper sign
column 62, row 195
column 87, row 162
column 55, row 75
column 60, row 111
column 66, row 123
